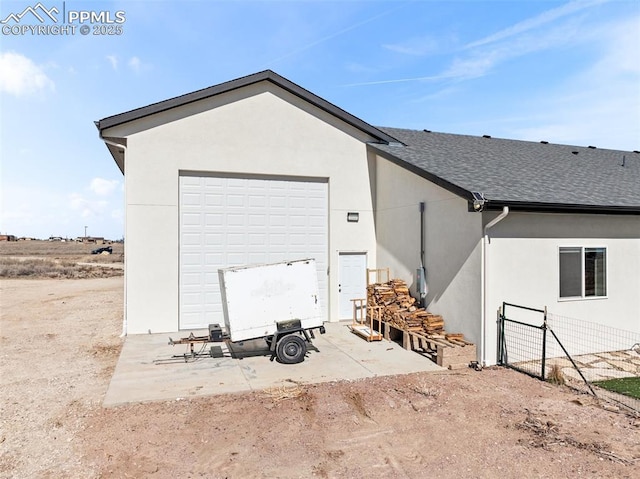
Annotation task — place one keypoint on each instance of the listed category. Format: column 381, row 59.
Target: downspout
column 124, row 318
column 483, row 265
column 423, row 287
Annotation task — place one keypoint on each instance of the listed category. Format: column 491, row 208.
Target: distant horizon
column 66, row 238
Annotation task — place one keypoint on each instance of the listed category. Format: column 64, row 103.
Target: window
column 583, row 272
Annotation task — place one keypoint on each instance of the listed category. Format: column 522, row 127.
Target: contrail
column 334, row 35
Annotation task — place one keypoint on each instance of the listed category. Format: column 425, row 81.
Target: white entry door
column 352, row 281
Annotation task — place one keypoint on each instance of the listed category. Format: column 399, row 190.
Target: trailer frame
column 288, row 344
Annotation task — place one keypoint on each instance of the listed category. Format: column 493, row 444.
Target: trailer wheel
column 291, row 349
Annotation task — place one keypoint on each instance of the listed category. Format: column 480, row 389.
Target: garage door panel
column 213, row 219
column 235, row 239
column 276, row 240
column 238, row 221
column 191, row 259
column 212, row 239
column 235, row 200
column 235, row 258
column 257, row 239
column 277, row 220
column 259, row 220
column 191, row 238
column 235, row 219
column 208, row 181
column 298, row 220
column 211, row 199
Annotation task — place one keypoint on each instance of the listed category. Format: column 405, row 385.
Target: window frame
column 583, row 250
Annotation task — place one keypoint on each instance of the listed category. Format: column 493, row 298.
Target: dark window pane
column 570, row 272
column 595, row 272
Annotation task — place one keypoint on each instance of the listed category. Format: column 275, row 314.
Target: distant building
column 7, row 238
column 92, row 240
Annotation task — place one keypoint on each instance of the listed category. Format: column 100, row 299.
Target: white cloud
column 480, row 57
column 38, row 212
column 597, row 106
column 20, row 76
column 102, row 187
column 113, row 60
column 535, row 22
column 135, row 64
column 87, row 208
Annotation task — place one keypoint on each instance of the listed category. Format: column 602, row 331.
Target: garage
column 252, row 171
column 228, row 220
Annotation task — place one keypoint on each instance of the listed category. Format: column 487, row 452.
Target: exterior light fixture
column 353, row 217
column 478, row 201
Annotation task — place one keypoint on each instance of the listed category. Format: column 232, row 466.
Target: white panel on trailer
column 257, row 297
column 227, row 222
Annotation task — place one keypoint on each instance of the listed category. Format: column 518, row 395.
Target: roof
column 522, row 174
column 266, row 75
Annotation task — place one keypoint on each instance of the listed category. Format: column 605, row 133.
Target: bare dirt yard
column 56, row 259
column 59, row 345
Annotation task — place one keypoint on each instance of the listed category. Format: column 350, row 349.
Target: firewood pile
column 395, row 305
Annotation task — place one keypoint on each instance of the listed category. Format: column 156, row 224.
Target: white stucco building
column 259, row 170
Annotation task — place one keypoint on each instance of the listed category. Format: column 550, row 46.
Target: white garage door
column 238, row 221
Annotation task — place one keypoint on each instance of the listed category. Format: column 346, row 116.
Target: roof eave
column 538, row 207
column 267, row 75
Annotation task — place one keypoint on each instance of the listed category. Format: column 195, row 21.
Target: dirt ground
column 59, row 345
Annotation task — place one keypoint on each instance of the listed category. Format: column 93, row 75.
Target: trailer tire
column 291, row 349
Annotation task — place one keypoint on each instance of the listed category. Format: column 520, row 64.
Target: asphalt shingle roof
column 522, row 171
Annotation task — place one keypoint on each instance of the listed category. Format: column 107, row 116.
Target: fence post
column 501, row 335
column 544, row 344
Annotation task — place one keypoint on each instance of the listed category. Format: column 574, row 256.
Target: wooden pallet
column 362, row 324
column 448, row 353
column 366, row 332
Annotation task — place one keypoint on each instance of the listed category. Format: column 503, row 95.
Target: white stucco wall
column 258, row 130
column 452, row 244
column 523, row 267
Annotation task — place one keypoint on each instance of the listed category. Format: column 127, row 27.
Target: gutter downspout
column 124, row 319
column 483, row 265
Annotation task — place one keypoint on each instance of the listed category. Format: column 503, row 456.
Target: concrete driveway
column 142, row 374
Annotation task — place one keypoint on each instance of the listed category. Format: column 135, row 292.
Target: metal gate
column 522, row 342
column 532, row 345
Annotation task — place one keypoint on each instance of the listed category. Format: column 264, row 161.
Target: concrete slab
column 338, row 355
column 596, row 374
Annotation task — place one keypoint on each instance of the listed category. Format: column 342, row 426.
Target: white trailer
column 278, row 302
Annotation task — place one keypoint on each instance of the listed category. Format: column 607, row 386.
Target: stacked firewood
column 392, row 303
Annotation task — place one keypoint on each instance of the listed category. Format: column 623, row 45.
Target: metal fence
column 567, row 350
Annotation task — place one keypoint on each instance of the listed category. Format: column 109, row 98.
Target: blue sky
column 565, row 72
